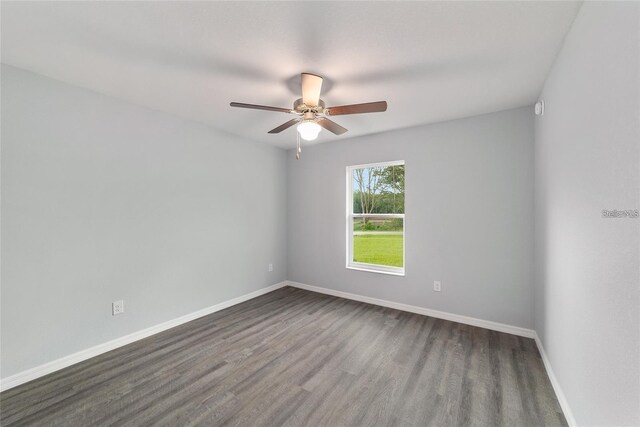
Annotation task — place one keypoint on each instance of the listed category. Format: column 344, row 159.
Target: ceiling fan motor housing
column 300, row 107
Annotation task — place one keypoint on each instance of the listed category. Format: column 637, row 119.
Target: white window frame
column 361, row 266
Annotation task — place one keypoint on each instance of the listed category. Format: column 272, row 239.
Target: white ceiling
column 430, row 61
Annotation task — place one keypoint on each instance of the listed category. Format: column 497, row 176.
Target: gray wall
column 103, row 200
column 469, row 216
column 587, row 158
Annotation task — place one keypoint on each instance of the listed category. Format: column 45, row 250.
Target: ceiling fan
column 311, row 112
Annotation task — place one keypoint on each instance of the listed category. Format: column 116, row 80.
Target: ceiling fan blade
column 331, row 126
column 311, row 87
column 369, row 107
column 260, row 107
column 284, row 126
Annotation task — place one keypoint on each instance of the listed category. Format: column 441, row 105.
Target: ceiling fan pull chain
column 298, row 148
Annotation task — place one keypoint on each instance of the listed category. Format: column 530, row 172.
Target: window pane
column 378, row 240
column 378, row 190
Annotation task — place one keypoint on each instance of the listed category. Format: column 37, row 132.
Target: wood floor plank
column 297, row 358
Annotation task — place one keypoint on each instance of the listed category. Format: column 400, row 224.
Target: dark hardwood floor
column 298, row 358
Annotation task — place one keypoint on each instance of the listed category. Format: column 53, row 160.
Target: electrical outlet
column 270, row 267
column 437, row 286
column 117, row 307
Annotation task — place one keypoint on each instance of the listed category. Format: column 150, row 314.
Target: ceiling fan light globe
column 309, row 130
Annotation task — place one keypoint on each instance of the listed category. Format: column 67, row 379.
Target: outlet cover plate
column 117, row 307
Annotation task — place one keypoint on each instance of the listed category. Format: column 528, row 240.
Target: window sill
column 375, row 269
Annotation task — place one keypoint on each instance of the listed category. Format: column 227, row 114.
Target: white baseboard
column 564, row 404
column 487, row 324
column 63, row 362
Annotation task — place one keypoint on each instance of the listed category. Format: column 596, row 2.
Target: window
column 375, row 217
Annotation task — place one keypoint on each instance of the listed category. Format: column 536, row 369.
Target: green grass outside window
column 382, row 249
